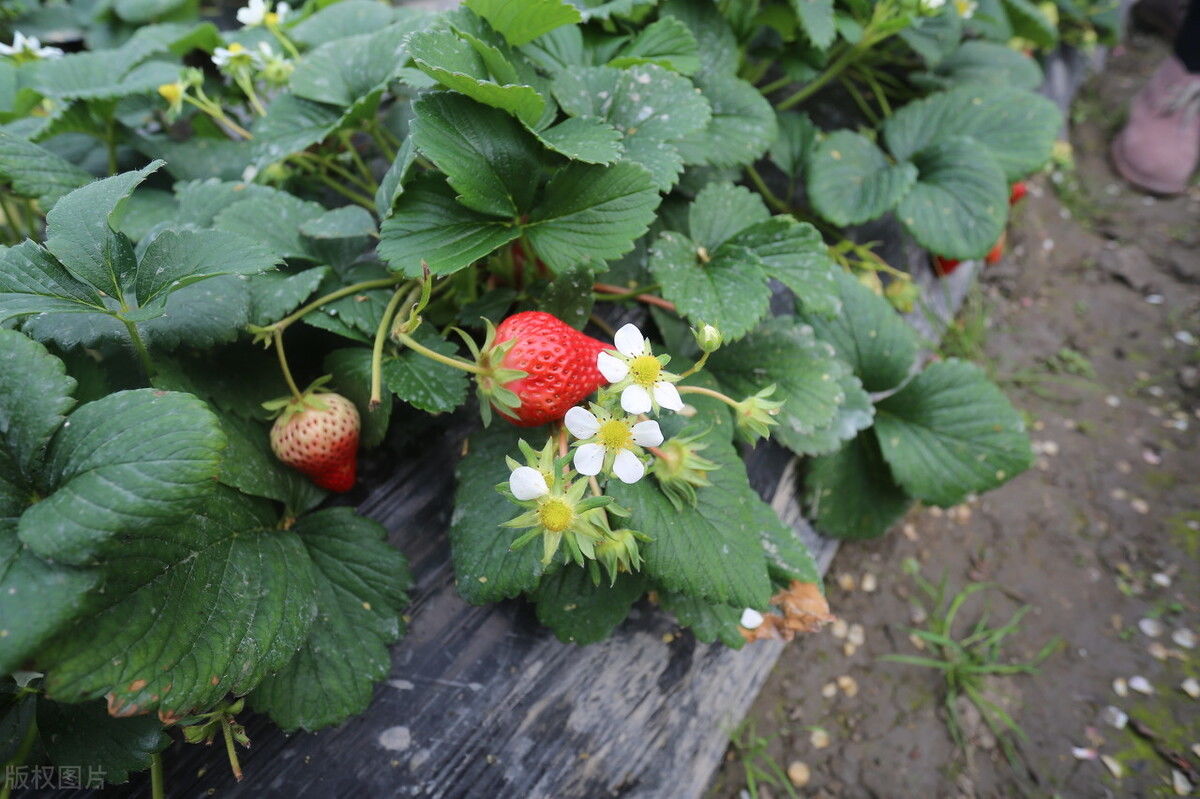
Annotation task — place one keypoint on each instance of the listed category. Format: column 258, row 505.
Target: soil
column 1090, row 324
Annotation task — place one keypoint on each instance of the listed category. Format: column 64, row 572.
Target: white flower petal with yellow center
column 627, row 467
column 253, row 13
column 647, row 434
column 614, row 369
column 603, row 437
column 527, row 483
column 643, row 383
column 29, row 46
column 589, row 459
column 630, row 341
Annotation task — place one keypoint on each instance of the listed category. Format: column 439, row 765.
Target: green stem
column 844, row 60
column 345, row 291
column 326, row 163
column 457, row 363
column 768, row 195
column 283, row 366
column 234, row 765
column 247, row 86
column 19, row 757
column 11, row 218
column 156, row 776
column 775, row 85
column 217, row 113
column 368, row 178
column 110, row 145
column 283, row 40
column 381, row 334
column 139, row 347
column 859, row 100
column 379, row 136
column 697, row 366
column 708, row 392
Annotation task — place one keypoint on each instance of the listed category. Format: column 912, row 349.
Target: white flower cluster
column 28, row 47
column 258, row 12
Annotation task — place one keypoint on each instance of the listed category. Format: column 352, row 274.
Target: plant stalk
column 139, row 347
column 283, row 367
column 421, row 349
column 381, row 334
column 156, row 776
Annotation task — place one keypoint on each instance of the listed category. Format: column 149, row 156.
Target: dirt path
column 1091, row 325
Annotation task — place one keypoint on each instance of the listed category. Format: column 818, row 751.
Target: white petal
column 667, row 396
column 582, row 423
column 282, row 10
column 629, row 341
column 628, row 467
column 612, row 367
column 751, row 619
column 527, row 482
column 647, row 434
column 635, row 399
column 589, row 458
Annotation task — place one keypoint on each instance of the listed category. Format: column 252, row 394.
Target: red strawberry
column 318, row 435
column 997, row 252
column 945, row 266
column 559, row 364
column 1019, row 190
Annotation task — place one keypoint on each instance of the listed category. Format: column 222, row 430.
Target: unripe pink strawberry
column 318, row 435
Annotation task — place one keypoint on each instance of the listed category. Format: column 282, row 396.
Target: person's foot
column 1160, row 16
column 1160, row 145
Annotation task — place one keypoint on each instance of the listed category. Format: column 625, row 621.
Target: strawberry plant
column 599, row 248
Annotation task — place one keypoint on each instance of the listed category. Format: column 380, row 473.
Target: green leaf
column 293, row 124
column 360, row 587
column 742, row 126
column 935, row 37
column 606, row 9
column 345, row 71
column 708, row 621
column 718, row 46
column 951, row 432
column 105, row 74
column 851, row 493
column 1030, row 23
column 587, row 139
column 959, row 204
column 424, row 383
column 129, row 461
column 796, row 138
column 249, row 465
column 710, row 551
column 522, row 21
column 485, row 154
column 199, row 157
column 816, row 20
column 581, row 612
column 391, row 185
column 485, row 569
column 728, row 291
column 195, row 610
column 570, row 296
column 34, row 171
column 722, row 209
column 851, row 181
column 451, row 60
column 178, row 258
column 78, row 231
column 869, row 335
column 202, row 315
column 795, row 254
column 983, row 63
column 429, row 227
column 342, row 20
column 277, row 293
column 349, row 221
column 32, row 281
column 86, row 737
column 803, row 370
column 591, row 212
column 34, row 399
column 351, row 370
column 666, row 42
column 142, row 11
column 274, row 224
column 855, row 414
column 1016, row 127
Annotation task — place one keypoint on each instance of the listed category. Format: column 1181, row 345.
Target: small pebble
column 910, row 531
column 1151, row 627
column 870, row 583
column 1196, row 750
column 1083, row 753
column 1112, row 401
column 848, row 685
column 1140, row 505
column 849, row 649
column 799, row 773
column 917, row 642
column 1158, row 651
column 1184, row 637
column 1112, row 765
column 1191, row 687
column 1161, row 580
column 856, row 635
column 1119, row 494
column 1141, row 685
column 1185, row 337
column 819, row 738
column 1124, row 467
column 845, row 581
column 1180, row 783
column 829, row 690
column 839, row 628
column 1155, row 299
column 751, row 619
column 1114, row 717
column 1120, row 687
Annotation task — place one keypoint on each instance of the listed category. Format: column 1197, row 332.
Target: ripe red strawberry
column 945, row 266
column 997, row 252
column 1019, row 190
column 559, row 364
column 318, row 435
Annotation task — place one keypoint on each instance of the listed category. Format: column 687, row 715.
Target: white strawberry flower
column 613, row 441
column 965, row 8
column 258, row 12
column 527, row 483
column 28, row 48
column 234, row 57
column 638, row 374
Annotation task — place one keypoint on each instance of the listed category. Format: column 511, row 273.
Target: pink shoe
column 1160, row 146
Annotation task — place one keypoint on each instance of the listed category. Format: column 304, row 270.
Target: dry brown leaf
column 803, row 609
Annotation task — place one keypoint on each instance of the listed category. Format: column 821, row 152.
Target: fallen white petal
column 627, row 467
column 1150, row 627
column 1141, row 685
column 527, row 482
column 629, row 340
column 612, row 367
column 1191, row 687
column 647, row 434
column 582, row 423
column 667, row 396
column 1184, row 637
column 1115, row 717
column 635, row 399
column 589, row 458
column 751, row 619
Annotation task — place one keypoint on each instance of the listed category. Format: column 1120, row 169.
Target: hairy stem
column 156, row 776
column 345, row 291
column 283, row 366
column 648, row 299
column 697, row 366
column 708, row 392
column 139, row 348
column 234, row 765
column 381, row 334
column 761, row 185
column 421, row 349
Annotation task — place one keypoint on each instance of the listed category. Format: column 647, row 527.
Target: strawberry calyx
column 493, row 375
column 309, row 400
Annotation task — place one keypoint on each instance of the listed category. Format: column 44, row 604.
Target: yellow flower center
column 271, row 18
column 556, row 515
column 615, row 434
column 645, row 370
column 171, row 92
column 235, row 49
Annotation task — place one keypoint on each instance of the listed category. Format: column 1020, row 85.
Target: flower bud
column 871, row 281
column 902, row 294
column 708, row 338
